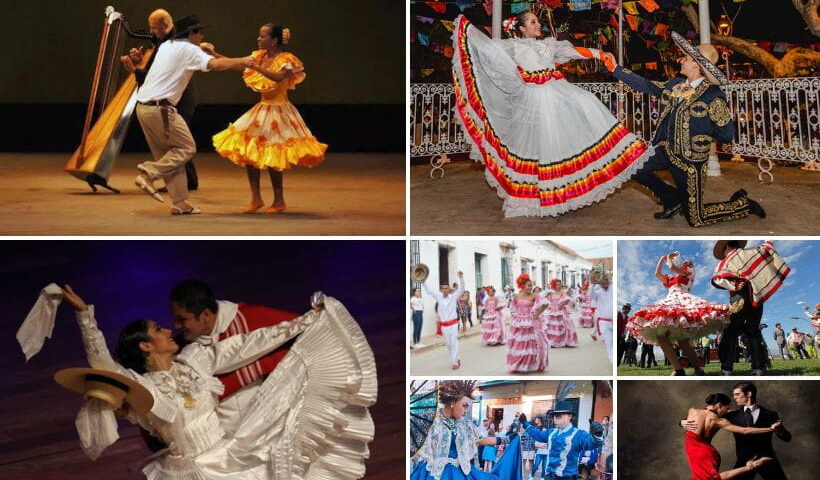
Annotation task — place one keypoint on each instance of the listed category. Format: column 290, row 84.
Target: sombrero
column 107, row 386
column 721, row 244
column 706, row 55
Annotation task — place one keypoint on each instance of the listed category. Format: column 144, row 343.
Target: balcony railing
column 775, row 119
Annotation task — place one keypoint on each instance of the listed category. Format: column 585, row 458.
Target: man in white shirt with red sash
column 447, row 303
column 204, row 321
column 751, row 275
column 167, row 134
column 601, row 300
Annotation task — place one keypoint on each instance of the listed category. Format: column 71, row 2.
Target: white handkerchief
column 96, row 426
column 39, row 323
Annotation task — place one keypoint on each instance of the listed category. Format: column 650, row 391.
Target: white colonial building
column 495, row 263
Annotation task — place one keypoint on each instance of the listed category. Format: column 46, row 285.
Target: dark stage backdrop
column 354, row 55
column 650, row 442
column 128, row 280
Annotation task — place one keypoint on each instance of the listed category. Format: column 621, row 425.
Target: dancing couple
column 270, row 136
column 752, row 426
column 550, row 147
column 751, row 275
column 257, row 393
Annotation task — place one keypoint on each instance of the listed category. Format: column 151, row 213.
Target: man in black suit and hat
column 694, row 114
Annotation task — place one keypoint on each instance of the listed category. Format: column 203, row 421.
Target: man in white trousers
column 447, row 302
column 602, row 301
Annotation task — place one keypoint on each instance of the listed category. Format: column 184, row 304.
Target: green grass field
column 780, row 367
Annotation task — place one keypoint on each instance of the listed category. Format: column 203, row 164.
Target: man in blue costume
column 694, row 114
column 565, row 442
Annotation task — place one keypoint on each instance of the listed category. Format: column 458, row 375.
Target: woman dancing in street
column 560, row 329
column 679, row 317
column 492, row 326
column 528, row 348
column 272, row 135
column 453, row 440
column 548, row 146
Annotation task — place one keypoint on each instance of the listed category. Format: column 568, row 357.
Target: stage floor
column 349, row 194
column 462, row 203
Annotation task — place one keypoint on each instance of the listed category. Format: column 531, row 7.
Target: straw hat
column 707, row 56
column 107, row 386
column 720, row 245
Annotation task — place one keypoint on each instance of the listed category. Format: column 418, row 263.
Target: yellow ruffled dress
column 272, row 134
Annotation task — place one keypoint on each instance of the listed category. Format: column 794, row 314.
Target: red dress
column 679, row 316
column 704, row 459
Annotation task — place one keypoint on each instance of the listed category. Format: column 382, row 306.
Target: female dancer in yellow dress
column 272, row 135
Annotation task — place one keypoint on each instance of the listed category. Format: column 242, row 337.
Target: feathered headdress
column 452, row 390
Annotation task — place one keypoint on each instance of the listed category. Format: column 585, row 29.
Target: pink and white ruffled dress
column 527, row 345
column 680, row 315
column 560, row 329
column 587, row 319
column 492, row 325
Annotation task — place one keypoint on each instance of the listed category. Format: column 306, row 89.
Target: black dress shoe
column 668, row 212
column 756, row 209
column 738, row 194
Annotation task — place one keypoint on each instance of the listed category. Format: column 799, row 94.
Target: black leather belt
column 157, row 103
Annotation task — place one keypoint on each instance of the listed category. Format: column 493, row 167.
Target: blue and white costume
column 565, row 448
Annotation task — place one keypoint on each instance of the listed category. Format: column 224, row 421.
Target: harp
column 110, row 106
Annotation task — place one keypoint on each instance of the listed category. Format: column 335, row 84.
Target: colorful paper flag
column 448, row 25
column 631, row 8
column 423, row 39
column 632, row 20
column 649, row 5
column 424, row 19
column 438, row 7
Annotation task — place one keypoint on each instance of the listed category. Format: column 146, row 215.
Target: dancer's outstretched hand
column 75, row 300
column 609, row 60
column 776, row 425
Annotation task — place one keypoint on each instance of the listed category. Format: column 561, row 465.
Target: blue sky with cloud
column 637, row 283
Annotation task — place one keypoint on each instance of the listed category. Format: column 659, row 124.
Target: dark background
column 129, row 280
column 650, row 442
column 353, row 51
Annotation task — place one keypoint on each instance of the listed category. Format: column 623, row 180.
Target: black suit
column 745, row 321
column 760, row 445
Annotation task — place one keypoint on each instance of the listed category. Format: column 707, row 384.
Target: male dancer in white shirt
column 166, row 132
column 447, row 303
column 601, row 300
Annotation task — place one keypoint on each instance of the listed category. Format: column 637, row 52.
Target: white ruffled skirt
column 549, row 147
column 308, row 420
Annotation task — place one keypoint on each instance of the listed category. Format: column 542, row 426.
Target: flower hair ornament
column 509, row 26
column 554, row 284
column 522, row 280
column 285, row 36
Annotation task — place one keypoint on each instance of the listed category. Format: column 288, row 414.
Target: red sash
column 449, row 323
column 247, row 319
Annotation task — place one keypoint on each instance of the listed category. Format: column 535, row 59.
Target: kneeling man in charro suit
column 694, row 113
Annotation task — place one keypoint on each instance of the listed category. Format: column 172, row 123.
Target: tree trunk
column 788, row 66
column 808, row 10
